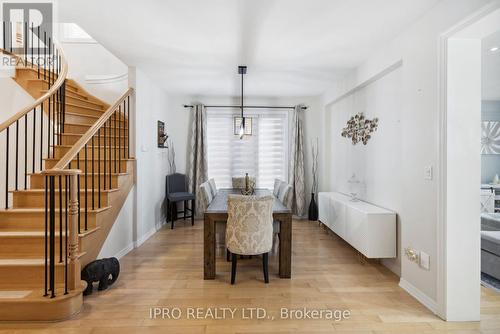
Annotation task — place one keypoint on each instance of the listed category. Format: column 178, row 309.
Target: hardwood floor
column 167, row 271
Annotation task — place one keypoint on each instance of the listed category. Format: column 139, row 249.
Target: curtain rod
column 247, row 107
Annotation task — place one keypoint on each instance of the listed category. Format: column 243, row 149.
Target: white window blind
column 263, row 154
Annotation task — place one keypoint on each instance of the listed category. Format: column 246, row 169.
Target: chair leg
column 168, row 210
column 172, row 217
column 185, row 206
column 234, row 258
column 228, row 255
column 265, row 267
column 192, row 212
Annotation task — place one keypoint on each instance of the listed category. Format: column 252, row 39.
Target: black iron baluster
column 93, row 183
column 86, row 191
column 48, row 128
column 31, row 45
column 46, row 232
column 60, row 218
column 25, row 151
column 78, row 189
column 119, row 139
column 41, row 136
column 128, row 127
column 7, row 170
column 25, row 40
column 38, row 53
column 10, row 35
column 110, row 150
column 68, row 188
column 33, row 141
column 99, row 168
column 44, row 55
column 114, row 148
column 52, row 231
column 16, row 169
column 104, row 166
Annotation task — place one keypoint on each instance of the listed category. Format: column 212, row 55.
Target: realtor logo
column 27, row 27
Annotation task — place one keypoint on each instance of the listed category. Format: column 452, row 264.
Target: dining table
column 217, row 212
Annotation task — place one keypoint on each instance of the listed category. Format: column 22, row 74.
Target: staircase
column 67, row 174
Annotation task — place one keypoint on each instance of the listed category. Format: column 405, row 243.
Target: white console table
column 368, row 228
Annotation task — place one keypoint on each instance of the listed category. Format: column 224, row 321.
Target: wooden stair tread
column 25, row 262
column 90, row 116
column 90, row 147
column 38, row 234
column 32, row 293
column 81, row 134
column 70, row 92
column 64, row 190
column 42, row 210
column 84, row 107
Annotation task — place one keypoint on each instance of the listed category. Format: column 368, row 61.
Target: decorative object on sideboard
column 313, row 206
column 355, row 187
column 490, row 137
column 249, row 186
column 162, row 135
column 104, row 271
column 359, row 129
column 171, row 157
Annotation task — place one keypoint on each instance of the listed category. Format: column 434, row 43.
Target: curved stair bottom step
column 31, row 305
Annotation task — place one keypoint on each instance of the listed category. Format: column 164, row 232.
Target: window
column 262, row 154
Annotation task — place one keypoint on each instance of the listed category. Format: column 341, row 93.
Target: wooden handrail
column 80, row 144
column 52, row 91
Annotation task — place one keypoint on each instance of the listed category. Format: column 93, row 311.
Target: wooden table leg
column 209, row 247
column 286, row 247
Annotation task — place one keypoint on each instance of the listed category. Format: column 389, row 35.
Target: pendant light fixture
column 242, row 70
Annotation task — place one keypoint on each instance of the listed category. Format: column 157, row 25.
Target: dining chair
column 284, row 196
column 207, row 193
column 249, row 229
column 213, row 187
column 220, row 226
column 239, row 182
column 177, row 191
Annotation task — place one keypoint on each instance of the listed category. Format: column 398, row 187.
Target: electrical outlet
column 411, row 254
column 425, row 260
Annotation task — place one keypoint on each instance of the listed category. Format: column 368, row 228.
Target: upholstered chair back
column 239, row 182
column 176, row 183
column 249, row 228
column 207, row 193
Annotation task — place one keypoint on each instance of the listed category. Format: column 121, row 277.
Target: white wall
column 96, row 70
column 142, row 214
column 418, row 48
column 376, row 165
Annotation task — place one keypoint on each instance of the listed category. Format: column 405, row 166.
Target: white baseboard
column 124, row 251
column 419, row 295
column 139, row 241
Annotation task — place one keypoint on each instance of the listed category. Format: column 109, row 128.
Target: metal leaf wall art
column 359, row 129
column 490, row 137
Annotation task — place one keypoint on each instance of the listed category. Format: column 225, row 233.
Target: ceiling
column 291, row 47
column 491, row 67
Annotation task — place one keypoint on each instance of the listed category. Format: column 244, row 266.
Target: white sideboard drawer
column 337, row 217
column 366, row 227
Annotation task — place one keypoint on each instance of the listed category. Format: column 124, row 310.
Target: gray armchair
column 177, row 191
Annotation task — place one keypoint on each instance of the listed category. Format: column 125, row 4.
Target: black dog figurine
column 100, row 271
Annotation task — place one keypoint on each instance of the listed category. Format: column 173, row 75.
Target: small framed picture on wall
column 162, row 135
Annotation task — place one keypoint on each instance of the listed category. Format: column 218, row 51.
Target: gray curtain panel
column 198, row 167
column 296, row 171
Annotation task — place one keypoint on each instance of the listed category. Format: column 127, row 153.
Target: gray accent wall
column 490, row 164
